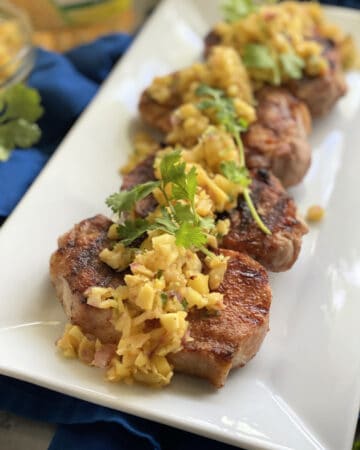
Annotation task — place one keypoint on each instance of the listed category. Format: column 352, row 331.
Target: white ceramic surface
column 302, row 390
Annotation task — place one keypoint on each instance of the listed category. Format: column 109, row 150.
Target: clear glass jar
column 17, row 53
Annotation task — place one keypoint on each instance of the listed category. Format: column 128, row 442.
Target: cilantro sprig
column 234, row 10
column 177, row 216
column 20, row 108
column 225, row 114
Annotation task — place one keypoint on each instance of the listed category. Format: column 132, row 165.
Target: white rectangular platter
column 302, row 390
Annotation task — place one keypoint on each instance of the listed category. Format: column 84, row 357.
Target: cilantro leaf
column 184, row 188
column 132, row 230
column 183, row 212
column 20, row 108
column 191, row 184
column 125, row 200
column 258, row 56
column 18, row 133
column 189, row 235
column 20, row 101
column 171, row 168
column 164, row 298
column 235, row 173
column 207, row 223
column 185, row 304
column 292, row 65
column 226, row 115
column 206, row 90
column 164, row 222
column 177, row 217
column 224, row 107
column 234, row 10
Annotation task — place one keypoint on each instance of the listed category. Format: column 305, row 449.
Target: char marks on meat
column 221, row 341
column 279, row 250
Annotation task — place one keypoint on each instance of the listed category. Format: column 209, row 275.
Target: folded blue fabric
column 67, row 83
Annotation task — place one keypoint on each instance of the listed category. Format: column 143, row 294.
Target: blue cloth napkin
column 67, row 83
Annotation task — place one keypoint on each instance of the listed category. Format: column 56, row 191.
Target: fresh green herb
column 185, row 304
column 292, row 65
column 235, row 173
column 225, row 113
column 131, row 230
column 234, row 10
column 20, row 108
column 125, row 200
column 159, row 274
column 164, row 298
column 258, row 56
column 207, row 223
column 215, row 99
column 190, row 235
column 356, row 445
column 177, row 217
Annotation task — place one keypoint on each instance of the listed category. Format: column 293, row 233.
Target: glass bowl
column 17, row 53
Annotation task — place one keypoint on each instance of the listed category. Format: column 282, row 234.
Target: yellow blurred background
column 62, row 24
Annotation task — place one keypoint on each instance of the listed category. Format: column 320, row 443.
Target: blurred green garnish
column 20, row 108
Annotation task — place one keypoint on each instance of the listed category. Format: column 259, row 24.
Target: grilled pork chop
column 276, row 141
column 279, row 250
column 221, row 341
column 75, row 266
column 233, row 337
column 319, row 93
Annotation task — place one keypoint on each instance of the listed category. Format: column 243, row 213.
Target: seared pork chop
column 276, row 252
column 75, row 266
column 277, row 140
column 320, row 93
column 279, row 250
column 221, row 342
column 230, row 339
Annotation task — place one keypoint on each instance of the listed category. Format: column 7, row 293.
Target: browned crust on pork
column 230, row 339
column 220, row 342
column 321, row 93
column 76, row 266
column 278, row 139
column 276, row 252
column 156, row 114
